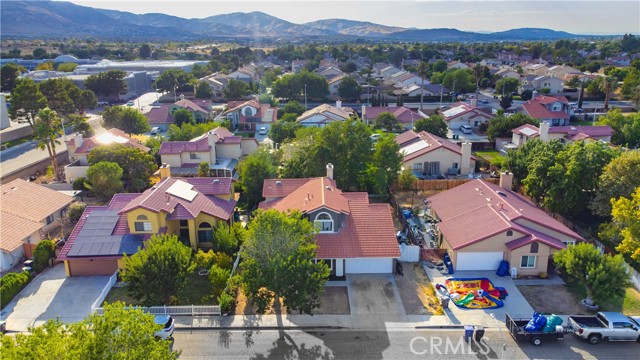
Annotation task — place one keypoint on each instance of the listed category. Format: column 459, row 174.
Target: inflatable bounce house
column 473, row 293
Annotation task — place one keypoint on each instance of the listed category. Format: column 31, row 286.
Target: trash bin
column 479, row 332
column 444, row 301
column 3, row 326
column 468, row 332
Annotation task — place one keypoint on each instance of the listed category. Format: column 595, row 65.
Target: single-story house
column 466, row 114
column 28, row 212
column 322, row 115
column 405, row 116
column 354, row 235
column 428, row 155
column 187, row 207
column 481, row 224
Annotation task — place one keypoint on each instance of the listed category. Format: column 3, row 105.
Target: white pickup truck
column 611, row 326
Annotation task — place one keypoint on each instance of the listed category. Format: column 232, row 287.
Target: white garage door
column 369, row 266
column 478, row 260
column 455, row 124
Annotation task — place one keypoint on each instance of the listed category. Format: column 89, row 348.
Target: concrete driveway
column 52, row 295
column 374, row 294
column 515, row 304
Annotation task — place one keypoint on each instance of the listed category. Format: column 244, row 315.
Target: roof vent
column 328, row 188
column 278, row 183
column 488, row 199
column 216, row 181
column 501, row 193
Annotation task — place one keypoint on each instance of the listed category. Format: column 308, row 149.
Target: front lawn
column 197, row 291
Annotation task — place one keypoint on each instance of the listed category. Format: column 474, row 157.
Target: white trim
column 317, row 222
column 528, row 256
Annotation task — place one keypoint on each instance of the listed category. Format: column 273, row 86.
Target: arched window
column 143, row 224
column 509, row 233
column 324, row 222
column 248, row 111
column 205, row 232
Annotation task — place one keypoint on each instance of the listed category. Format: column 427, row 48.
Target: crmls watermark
column 446, row 346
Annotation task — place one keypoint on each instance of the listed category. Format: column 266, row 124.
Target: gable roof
column 413, row 145
column 536, row 108
column 192, row 105
column 111, row 136
column 477, row 210
column 461, row 108
column 330, row 111
column 308, row 196
column 401, row 113
column 582, row 131
column 527, row 130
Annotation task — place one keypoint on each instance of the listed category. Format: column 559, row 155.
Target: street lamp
column 305, row 97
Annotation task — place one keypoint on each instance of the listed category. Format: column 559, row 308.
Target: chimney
column 165, row 171
column 506, row 180
column 330, row 171
column 465, row 161
column 78, row 140
column 211, row 139
column 473, row 102
column 339, row 104
column 544, row 131
column 181, row 96
column 534, row 94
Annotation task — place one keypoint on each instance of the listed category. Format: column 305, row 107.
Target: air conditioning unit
column 514, row 273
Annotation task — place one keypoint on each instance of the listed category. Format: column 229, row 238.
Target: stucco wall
column 445, row 157
column 542, row 259
column 72, row 172
column 249, row 146
column 545, row 230
column 229, row 151
column 173, row 160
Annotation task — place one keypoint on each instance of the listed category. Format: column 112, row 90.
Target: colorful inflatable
column 473, row 293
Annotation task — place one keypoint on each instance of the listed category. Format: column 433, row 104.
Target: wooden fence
column 443, row 184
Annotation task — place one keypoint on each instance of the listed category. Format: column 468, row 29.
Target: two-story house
column 218, row 147
column 553, row 110
column 28, row 213
column 190, row 208
column 250, row 115
column 481, row 224
column 539, row 82
column 354, row 236
column 430, row 156
column 466, row 114
column 79, row 148
column 162, row 116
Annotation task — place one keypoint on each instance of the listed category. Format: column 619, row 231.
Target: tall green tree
column 182, row 116
column 506, row 85
column 203, row 90
column 626, row 128
column 137, row 165
column 293, row 107
column 386, row 120
column 506, row 101
column 619, row 178
column 253, row 170
column 86, row 100
column 126, row 119
column 625, row 227
column 236, row 89
column 104, row 179
column 46, row 131
column 159, row 271
column 608, row 86
column 278, row 262
column 171, row 80
column 26, row 101
column 60, row 94
column 388, row 160
column 9, row 75
column 292, row 86
column 604, row 276
column 501, row 125
column 349, row 89
column 283, row 131
column 434, row 124
column 109, row 84
column 145, row 51
column 66, row 67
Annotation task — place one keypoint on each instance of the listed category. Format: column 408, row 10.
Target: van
column 466, row 129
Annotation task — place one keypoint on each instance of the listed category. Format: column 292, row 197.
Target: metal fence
column 188, row 310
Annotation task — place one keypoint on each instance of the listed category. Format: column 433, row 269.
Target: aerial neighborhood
column 336, row 175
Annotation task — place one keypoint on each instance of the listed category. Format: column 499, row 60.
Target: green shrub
column 10, row 286
column 226, row 302
column 223, row 260
column 218, row 278
column 78, row 184
column 204, row 260
column 226, row 239
column 44, row 251
column 74, row 212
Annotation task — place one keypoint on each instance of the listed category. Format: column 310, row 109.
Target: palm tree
column 608, row 86
column 47, row 128
column 423, row 71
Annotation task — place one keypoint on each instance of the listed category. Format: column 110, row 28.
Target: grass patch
column 492, row 156
column 197, row 291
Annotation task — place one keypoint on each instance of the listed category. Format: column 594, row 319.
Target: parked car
column 263, row 131
column 485, row 101
column 466, row 129
column 155, row 131
column 518, row 332
column 606, row 326
column 103, row 103
column 130, row 103
column 375, row 137
column 168, row 326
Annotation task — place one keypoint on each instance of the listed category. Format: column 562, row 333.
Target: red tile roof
column 431, row 143
column 401, row 113
column 112, row 136
column 366, row 232
column 531, row 131
column 160, row 115
column 536, row 108
column 476, row 210
column 546, row 100
column 178, row 147
column 589, row 131
column 192, row 105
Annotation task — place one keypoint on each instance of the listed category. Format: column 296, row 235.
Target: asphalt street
column 392, row 344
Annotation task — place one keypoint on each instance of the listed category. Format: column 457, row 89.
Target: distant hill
column 58, row 18
column 352, row 27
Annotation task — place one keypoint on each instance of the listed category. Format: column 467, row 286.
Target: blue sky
column 581, row 17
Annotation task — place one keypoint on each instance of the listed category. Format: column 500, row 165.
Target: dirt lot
column 552, row 299
column 417, row 294
column 403, row 198
column 334, row 301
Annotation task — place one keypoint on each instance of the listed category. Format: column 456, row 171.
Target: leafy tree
column 349, row 88
column 39, row 53
column 293, row 107
column 439, row 66
column 218, row 278
column 506, row 101
column 278, row 262
column 626, row 129
column 26, row 101
column 9, row 75
column 526, row 95
column 292, row 86
column 173, row 79
column 60, row 94
column 236, row 89
column 284, row 130
column 226, row 238
column 67, row 67
column 159, row 271
column 619, row 179
column 631, row 83
column 126, row 119
column 199, row 71
column 203, row 169
column 104, row 179
column 46, row 130
column 145, row 51
column 74, row 212
column 182, row 116
column 44, row 251
column 434, row 124
column 253, row 170
column 289, row 117
column 137, row 165
column 109, row 84
column 350, row 67
column 406, row 179
column 625, row 227
column 459, row 79
column 594, row 87
column 189, row 131
column 203, row 90
column 386, row 120
column 47, row 66
column 388, row 160
column 603, row 276
column 507, row 85
column 501, row 125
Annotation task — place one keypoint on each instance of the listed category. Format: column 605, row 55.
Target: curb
column 325, row 327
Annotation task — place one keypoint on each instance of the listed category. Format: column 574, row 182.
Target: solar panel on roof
column 416, row 146
column 182, row 190
column 95, row 239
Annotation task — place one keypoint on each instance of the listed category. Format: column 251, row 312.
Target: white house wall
column 369, row 266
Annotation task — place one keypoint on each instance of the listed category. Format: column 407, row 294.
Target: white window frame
column 319, row 223
column 146, row 225
column 528, row 257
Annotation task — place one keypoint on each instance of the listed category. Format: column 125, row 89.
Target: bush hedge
column 10, row 286
column 44, row 251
